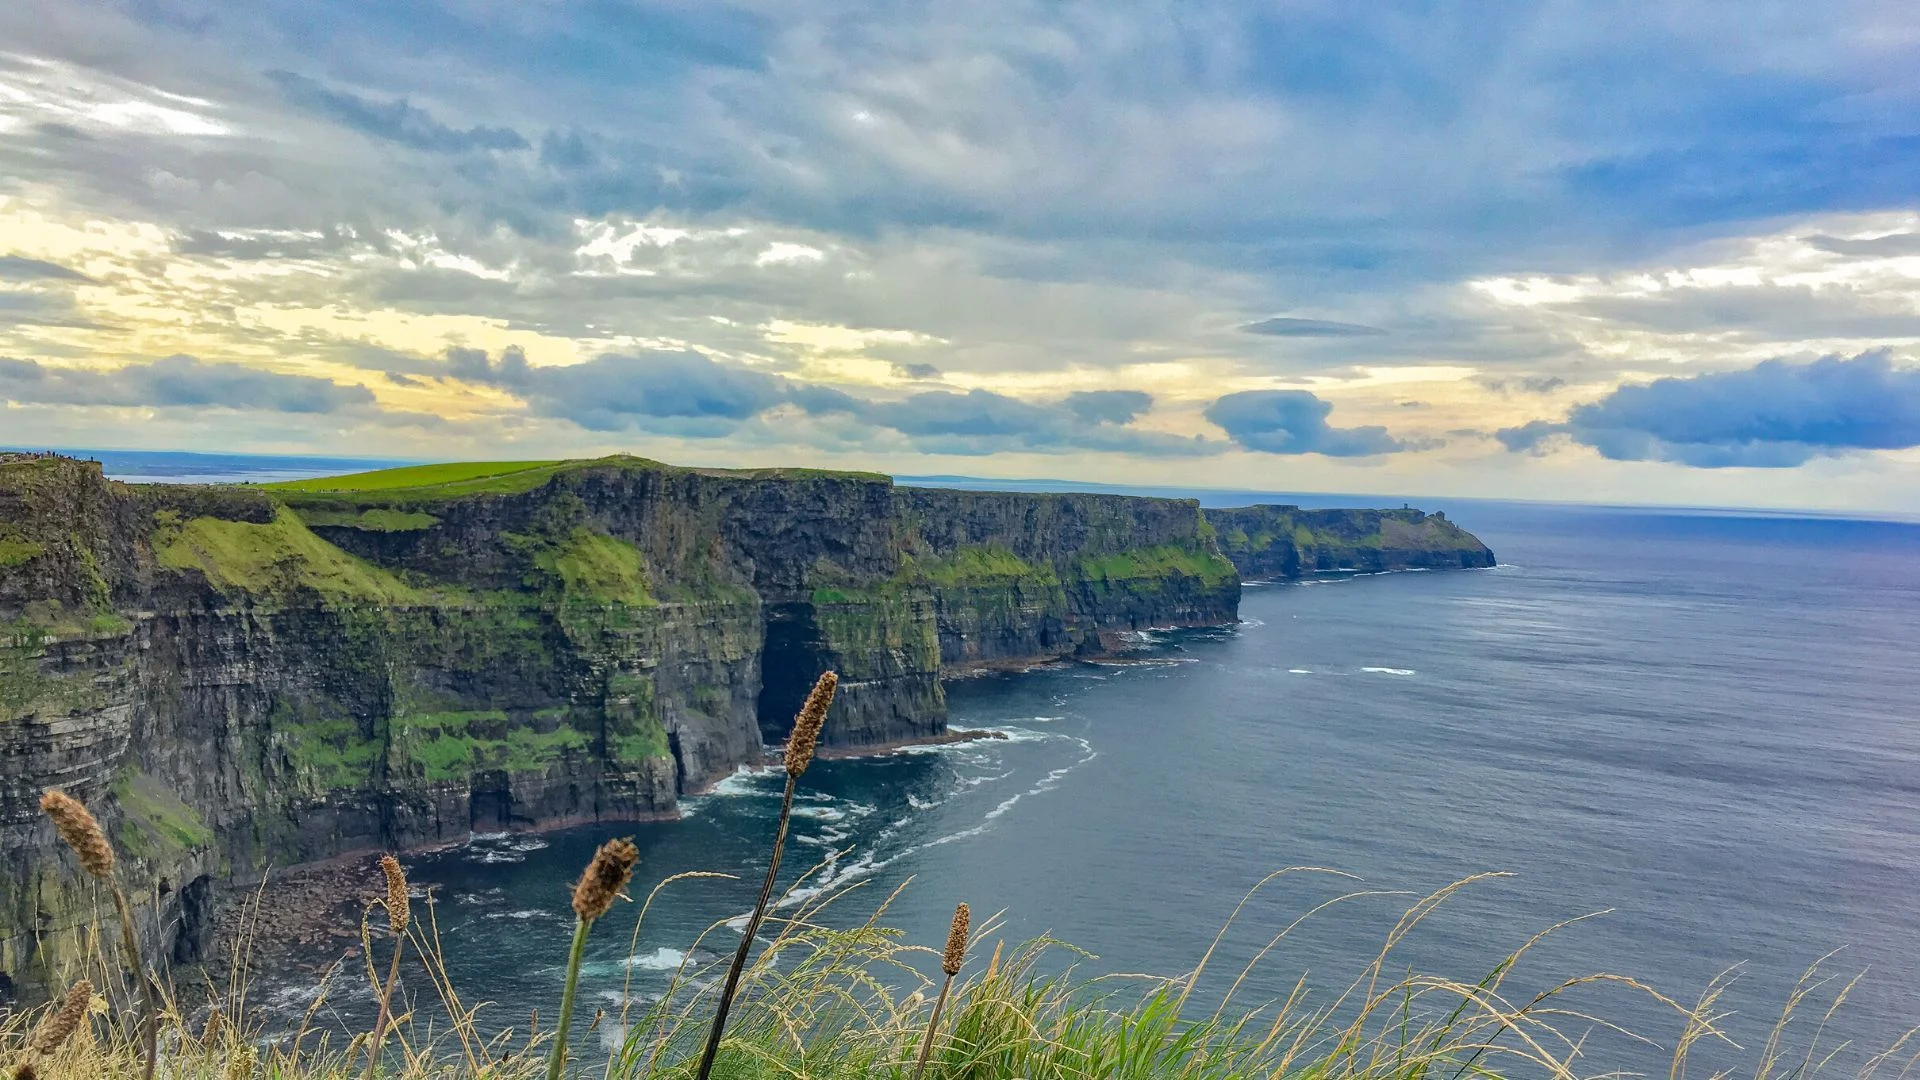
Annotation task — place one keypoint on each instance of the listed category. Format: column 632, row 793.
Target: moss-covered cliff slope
column 237, row 677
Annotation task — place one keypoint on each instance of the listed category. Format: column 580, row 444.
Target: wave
column 1299, row 671
column 661, row 959
column 1049, row 781
column 745, row 780
column 527, row 913
column 1390, row 670
column 501, row 847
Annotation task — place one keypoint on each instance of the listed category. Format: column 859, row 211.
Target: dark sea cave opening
column 791, row 660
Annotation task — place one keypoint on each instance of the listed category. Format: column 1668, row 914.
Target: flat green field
column 412, row 476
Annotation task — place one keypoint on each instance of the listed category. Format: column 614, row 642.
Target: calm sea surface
column 1702, row 725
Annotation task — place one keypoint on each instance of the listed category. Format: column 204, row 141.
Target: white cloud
column 781, row 252
column 36, row 89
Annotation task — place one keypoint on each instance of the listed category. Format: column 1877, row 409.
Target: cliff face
column 237, row 678
column 1280, row 542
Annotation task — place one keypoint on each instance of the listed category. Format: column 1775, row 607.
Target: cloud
column 397, row 121
column 692, row 395
column 1773, row 415
column 1294, row 422
column 1893, row 245
column 1310, row 328
column 1108, row 406
column 976, row 412
column 1522, row 384
column 473, row 365
column 269, row 244
column 697, row 396
column 916, row 371
column 31, row 308
column 177, row 381
column 21, row 268
column 984, row 422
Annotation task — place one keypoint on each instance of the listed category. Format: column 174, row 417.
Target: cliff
column 242, row 677
column 1284, row 542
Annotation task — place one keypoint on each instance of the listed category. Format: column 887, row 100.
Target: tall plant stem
column 933, row 1025
column 557, row 1058
column 386, row 1005
column 130, row 942
column 746, row 939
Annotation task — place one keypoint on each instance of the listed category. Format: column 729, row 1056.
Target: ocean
column 1697, row 727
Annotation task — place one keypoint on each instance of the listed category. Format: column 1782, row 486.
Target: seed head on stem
column 956, row 953
column 58, row 1026
column 607, row 874
column 807, row 725
column 399, row 909
column 77, row 826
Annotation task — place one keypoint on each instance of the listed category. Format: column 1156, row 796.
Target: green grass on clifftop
column 427, row 483
column 414, row 476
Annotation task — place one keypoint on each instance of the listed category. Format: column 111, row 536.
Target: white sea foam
column 525, row 913
column 1390, row 670
column 502, row 846
column 745, row 780
column 661, row 959
column 1050, row 781
column 1024, row 735
column 1299, row 671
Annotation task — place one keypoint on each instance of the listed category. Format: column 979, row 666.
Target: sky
column 1605, row 252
